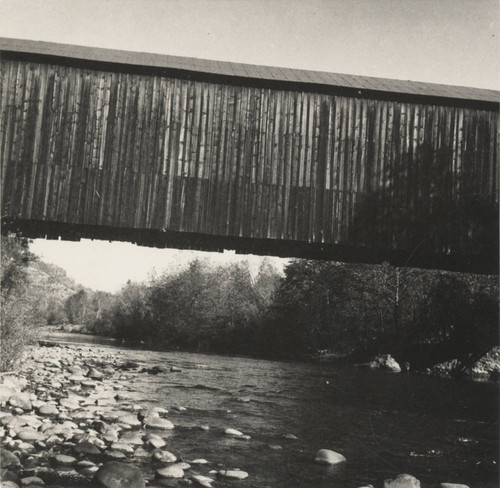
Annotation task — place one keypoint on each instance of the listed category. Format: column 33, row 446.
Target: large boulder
column 326, row 456
column 385, row 362
column 119, row 475
column 489, row 363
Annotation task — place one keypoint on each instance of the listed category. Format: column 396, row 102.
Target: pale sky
column 442, row 41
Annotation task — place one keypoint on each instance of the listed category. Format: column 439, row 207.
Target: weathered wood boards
column 120, row 149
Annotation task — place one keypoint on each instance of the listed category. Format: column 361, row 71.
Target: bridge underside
column 416, row 257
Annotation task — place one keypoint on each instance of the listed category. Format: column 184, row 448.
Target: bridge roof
column 248, row 71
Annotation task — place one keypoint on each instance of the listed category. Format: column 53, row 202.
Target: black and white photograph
column 249, row 243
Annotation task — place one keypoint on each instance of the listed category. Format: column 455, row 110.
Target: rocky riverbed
column 67, row 421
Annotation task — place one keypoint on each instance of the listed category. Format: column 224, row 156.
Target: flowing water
column 439, row 430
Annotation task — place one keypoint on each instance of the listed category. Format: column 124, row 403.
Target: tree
column 77, row 306
column 131, row 318
column 19, row 301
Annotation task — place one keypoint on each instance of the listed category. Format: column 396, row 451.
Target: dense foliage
column 416, row 314
column 199, row 308
column 315, row 308
column 19, row 301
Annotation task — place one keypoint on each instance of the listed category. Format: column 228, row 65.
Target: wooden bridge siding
column 127, row 150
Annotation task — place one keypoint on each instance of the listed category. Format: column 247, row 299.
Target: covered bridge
column 180, row 152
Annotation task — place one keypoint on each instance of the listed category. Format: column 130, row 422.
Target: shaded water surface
column 439, row 430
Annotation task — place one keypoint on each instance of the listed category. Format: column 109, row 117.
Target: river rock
column 6, row 392
column 63, row 460
column 155, row 441
column 173, row 471
column 119, row 475
column 243, row 399
column 156, row 369
column 133, row 438
column 130, row 420
column 402, row 481
column 129, row 365
column 8, row 460
column 112, row 454
column 32, row 481
column 233, row 474
column 85, row 447
column 95, row 374
column 175, row 369
column 25, row 446
column 89, row 471
column 453, row 367
column 164, row 456
column 233, row 432
column 489, row 363
column 21, row 401
column 141, row 452
column 76, row 378
column 203, row 481
column 48, row 409
column 29, row 434
column 70, row 404
column 326, row 456
column 122, row 447
column 9, row 484
column 155, row 422
column 385, row 362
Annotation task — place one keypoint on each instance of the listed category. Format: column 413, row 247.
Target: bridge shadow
column 437, row 209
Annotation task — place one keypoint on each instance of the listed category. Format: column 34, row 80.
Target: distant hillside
column 52, row 289
column 53, row 279
column 63, row 302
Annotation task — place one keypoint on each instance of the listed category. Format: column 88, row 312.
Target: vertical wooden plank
column 16, row 167
column 29, row 117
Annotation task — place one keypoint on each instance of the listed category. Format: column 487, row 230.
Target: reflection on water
column 437, row 429
column 70, row 337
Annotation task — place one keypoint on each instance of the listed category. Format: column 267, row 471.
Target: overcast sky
column 442, row 41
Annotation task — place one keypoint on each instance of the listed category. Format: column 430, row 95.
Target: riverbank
column 65, row 422
column 74, row 409
column 431, row 359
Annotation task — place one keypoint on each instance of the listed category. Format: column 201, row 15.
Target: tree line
column 312, row 308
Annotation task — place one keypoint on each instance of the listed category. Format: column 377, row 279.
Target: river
column 439, row 430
